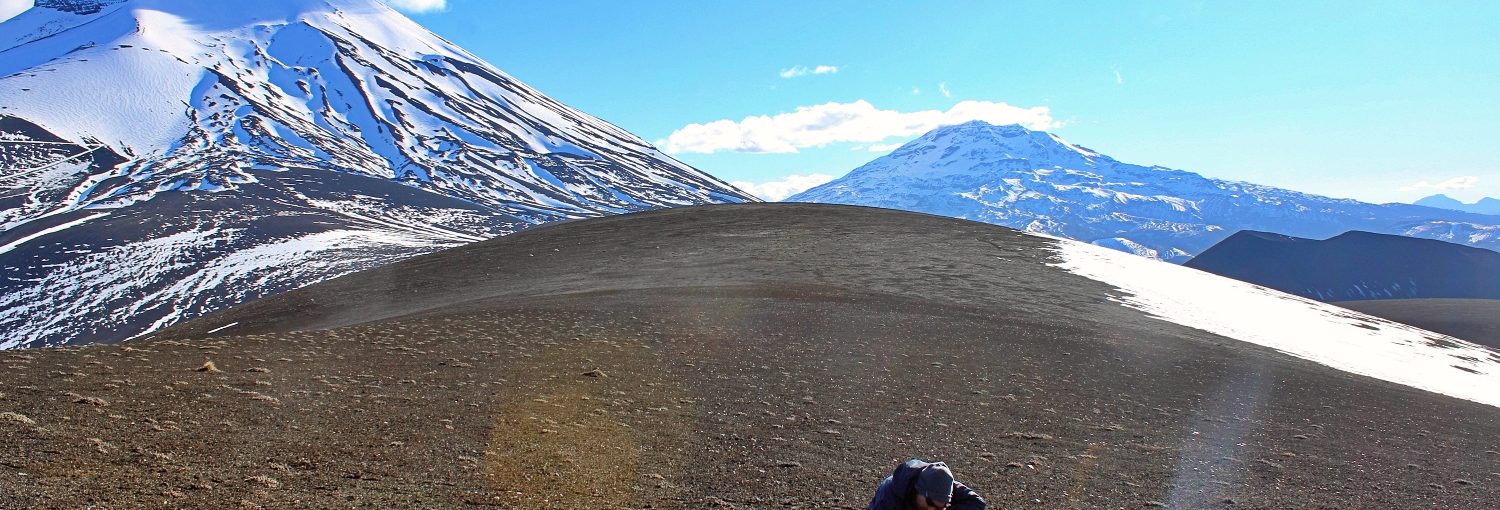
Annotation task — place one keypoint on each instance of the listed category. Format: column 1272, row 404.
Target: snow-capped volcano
column 162, row 158
column 1038, row 182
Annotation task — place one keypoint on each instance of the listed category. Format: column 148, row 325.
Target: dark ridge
column 1475, row 320
column 1486, row 205
column 1355, row 266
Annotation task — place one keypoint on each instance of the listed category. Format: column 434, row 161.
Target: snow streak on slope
column 167, row 287
column 134, row 132
column 1038, row 182
column 1326, row 334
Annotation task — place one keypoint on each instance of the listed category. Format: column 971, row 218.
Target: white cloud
column 794, row 72
column 10, row 8
column 1119, row 80
column 943, row 87
column 776, row 190
column 885, row 147
column 1462, row 182
column 824, row 124
column 915, row 91
column 418, row 6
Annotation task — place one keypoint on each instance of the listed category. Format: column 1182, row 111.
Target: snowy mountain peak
column 1039, row 182
column 1009, row 141
column 308, row 138
column 977, row 148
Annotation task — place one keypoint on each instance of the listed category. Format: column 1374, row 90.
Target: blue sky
column 1353, row 99
column 1380, row 101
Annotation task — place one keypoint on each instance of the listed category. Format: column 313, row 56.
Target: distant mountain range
column 1483, row 206
column 164, row 158
column 1038, row 182
column 1355, row 266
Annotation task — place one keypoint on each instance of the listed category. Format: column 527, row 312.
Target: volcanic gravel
column 749, row 356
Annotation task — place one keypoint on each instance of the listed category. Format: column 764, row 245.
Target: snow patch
column 1328, row 335
column 18, row 242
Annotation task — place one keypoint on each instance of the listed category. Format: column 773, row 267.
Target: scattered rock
column 1034, row 436
column 17, row 418
column 101, row 445
column 208, row 366
column 264, row 481
column 80, row 399
column 717, row 502
column 595, row 373
column 789, row 464
column 263, row 397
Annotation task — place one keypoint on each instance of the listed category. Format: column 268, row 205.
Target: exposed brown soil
column 793, row 374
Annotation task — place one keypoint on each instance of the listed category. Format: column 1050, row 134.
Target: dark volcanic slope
column 1475, row 320
column 1355, row 266
column 756, row 356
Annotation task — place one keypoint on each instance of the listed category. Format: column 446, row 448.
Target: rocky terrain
column 744, row 356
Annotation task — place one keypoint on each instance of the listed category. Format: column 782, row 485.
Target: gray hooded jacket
column 895, row 491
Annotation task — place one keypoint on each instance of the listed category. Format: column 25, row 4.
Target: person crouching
column 922, row 485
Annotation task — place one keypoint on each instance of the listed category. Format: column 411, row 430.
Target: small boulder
column 17, row 418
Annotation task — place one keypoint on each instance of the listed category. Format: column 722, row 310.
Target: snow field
column 1328, row 335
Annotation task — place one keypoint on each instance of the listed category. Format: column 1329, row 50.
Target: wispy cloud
column 777, row 190
column 828, row 123
column 915, row 91
column 1461, row 182
column 794, row 72
column 884, row 147
column 1119, row 80
column 418, row 6
column 943, row 87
